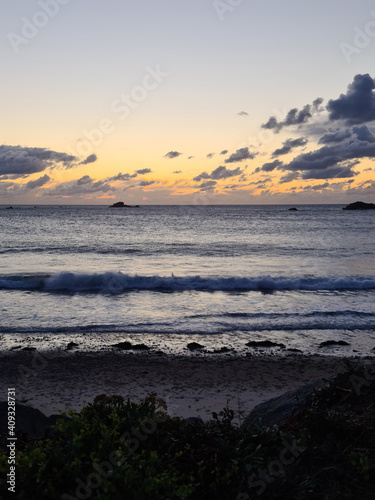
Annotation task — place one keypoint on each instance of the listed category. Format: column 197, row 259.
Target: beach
column 192, row 386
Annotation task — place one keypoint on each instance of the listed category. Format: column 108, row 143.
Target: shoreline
column 192, row 386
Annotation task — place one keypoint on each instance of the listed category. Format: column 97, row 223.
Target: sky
column 187, row 101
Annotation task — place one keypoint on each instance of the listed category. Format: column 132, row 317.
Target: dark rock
column 292, row 349
column 360, row 205
column 277, row 410
column 10, row 208
column 29, row 420
column 29, row 348
column 264, row 343
column 194, row 346
column 140, row 347
column 328, row 343
column 125, row 346
column 294, row 209
column 121, row 204
column 71, row 345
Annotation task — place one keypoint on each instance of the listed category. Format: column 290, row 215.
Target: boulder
column 360, row 205
column 193, row 346
column 264, row 343
column 329, row 343
column 29, row 420
column 121, row 204
column 277, row 410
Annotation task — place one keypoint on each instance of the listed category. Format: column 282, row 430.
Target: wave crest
column 117, row 282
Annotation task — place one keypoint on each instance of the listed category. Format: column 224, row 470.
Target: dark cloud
column 240, row 155
column 143, row 171
column 83, row 186
column 294, row 116
column 218, row 174
column 146, row 183
column 335, row 136
column 90, row 159
column 207, row 185
column 357, row 105
column 290, row 176
column 243, row 113
column 38, row 182
column 210, row 155
column 317, row 104
column 177, row 171
column 269, row 167
column 224, row 152
column 122, row 177
column 190, row 157
column 335, row 161
column 19, row 161
column 289, row 145
column 128, row 177
column 172, row 154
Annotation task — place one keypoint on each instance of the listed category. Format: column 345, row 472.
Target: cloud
column 290, row 176
column 335, row 136
column 295, row 116
column 224, row 152
column 90, row 159
column 177, row 171
column 38, row 182
column 122, row 177
column 269, row 167
column 218, row 174
column 128, row 177
column 143, row 171
column 207, row 186
column 83, row 186
column 210, row 155
column 19, row 161
column 289, row 145
column 357, row 105
column 146, row 183
column 335, row 161
column 243, row 113
column 190, row 157
column 240, row 155
column 172, row 154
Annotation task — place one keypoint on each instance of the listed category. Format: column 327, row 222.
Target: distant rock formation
column 121, row 204
column 294, row 209
column 360, row 205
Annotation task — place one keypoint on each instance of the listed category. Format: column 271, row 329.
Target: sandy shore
column 191, row 386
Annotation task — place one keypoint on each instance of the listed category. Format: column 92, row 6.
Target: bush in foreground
column 117, row 449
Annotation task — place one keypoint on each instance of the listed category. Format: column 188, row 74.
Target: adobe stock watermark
column 31, row 26
column 361, row 39
column 122, row 107
column 224, row 7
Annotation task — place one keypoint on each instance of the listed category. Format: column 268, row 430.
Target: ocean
column 169, row 275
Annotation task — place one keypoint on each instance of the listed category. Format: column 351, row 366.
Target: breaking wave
column 117, row 282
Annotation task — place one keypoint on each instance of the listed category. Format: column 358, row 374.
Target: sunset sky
column 187, row 101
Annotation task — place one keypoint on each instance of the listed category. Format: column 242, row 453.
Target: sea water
column 169, row 275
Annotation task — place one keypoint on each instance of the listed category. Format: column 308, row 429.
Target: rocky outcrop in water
column 360, row 205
